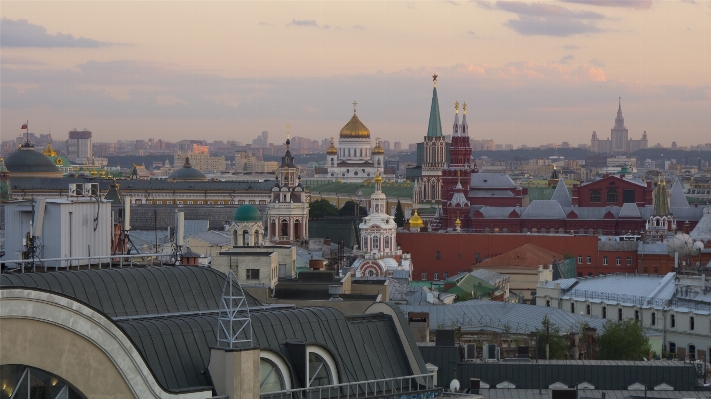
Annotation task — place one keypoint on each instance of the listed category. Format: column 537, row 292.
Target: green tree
column 623, row 340
column 399, row 215
column 554, row 342
column 349, row 209
column 321, row 208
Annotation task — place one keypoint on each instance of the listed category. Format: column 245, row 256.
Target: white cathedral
column 355, row 160
column 379, row 254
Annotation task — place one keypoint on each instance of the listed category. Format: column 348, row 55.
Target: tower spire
column 435, row 126
column 455, row 125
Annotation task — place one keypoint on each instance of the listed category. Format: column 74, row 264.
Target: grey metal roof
column 491, row 180
column 495, row 212
column 630, row 210
column 617, row 245
column 677, row 199
column 594, row 212
column 562, row 195
column 490, row 193
column 623, row 288
column 544, row 209
column 134, row 291
column 702, row 231
column 489, row 276
column 498, row 316
column 366, row 347
column 654, row 248
column 213, row 237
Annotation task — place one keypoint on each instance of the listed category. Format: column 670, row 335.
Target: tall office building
column 79, row 145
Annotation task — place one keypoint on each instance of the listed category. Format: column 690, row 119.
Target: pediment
column 572, row 215
column 664, row 387
column 514, row 215
column 636, row 387
column 557, row 385
column 506, row 384
column 586, row 385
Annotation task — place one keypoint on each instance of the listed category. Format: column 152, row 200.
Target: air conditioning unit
column 91, row 189
column 469, row 352
column 491, row 353
column 76, row 190
column 700, row 368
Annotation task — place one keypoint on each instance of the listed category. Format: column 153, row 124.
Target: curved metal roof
column 134, row 291
column 27, row 160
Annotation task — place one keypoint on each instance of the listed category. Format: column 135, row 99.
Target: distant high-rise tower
column 79, row 145
column 434, row 154
column 619, row 133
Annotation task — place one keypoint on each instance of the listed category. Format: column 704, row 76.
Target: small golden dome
column 458, row 222
column 49, row 151
column 355, row 129
column 416, row 221
column 331, row 149
column 93, row 172
column 378, row 150
column 102, row 173
column 378, row 179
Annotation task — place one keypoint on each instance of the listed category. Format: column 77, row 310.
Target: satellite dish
column 681, row 244
column 454, row 385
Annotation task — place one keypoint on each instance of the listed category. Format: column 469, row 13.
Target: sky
column 531, row 73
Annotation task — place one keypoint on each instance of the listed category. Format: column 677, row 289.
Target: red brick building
column 452, row 253
column 612, row 191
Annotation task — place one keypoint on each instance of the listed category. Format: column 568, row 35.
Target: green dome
column 26, row 162
column 247, row 213
column 187, row 173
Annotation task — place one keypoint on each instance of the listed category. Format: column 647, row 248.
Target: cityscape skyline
column 531, row 73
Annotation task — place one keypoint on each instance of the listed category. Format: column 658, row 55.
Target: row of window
column 274, row 374
column 169, row 202
column 445, row 276
column 618, row 261
column 691, row 351
column 612, row 196
column 672, row 318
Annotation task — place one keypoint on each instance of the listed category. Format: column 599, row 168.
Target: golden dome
column 458, row 222
column 378, row 150
column 355, row 129
column 416, row 221
column 378, row 179
column 49, row 151
column 331, row 149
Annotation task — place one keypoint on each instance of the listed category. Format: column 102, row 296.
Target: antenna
column 234, row 327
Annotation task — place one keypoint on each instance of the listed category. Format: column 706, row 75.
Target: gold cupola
column 331, row 149
column 354, row 129
column 378, row 150
column 416, row 221
column 49, row 151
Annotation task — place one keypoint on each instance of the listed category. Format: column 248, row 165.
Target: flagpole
column 27, row 131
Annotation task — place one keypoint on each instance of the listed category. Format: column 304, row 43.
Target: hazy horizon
column 531, row 72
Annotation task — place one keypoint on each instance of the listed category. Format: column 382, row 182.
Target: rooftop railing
column 382, row 388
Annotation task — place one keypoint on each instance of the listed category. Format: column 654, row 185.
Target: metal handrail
column 360, row 389
column 68, row 262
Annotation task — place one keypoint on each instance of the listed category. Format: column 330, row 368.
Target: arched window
column 505, row 230
column 654, row 319
column 245, row 238
column 619, row 314
column 581, row 231
column 561, row 231
column 595, row 196
column 591, row 232
column 604, row 312
column 365, row 243
column 587, row 309
column 284, row 228
column 612, row 195
column 34, row 383
column 273, row 373
column 672, row 321
column 332, row 162
column 386, row 242
column 376, row 241
column 256, row 238
column 321, row 369
column 534, row 230
column 692, row 352
column 548, row 303
column 543, row 230
column 636, row 315
column 572, row 307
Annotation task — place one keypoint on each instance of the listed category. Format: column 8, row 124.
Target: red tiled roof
column 527, row 256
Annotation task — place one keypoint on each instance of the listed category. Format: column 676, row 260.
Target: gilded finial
column 456, row 107
column 434, row 79
column 354, row 107
column 464, row 107
column 288, row 134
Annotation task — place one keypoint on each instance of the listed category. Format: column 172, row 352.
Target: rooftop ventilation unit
column 470, row 352
column 76, row 190
column 491, row 353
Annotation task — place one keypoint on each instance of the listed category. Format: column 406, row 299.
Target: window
column 612, row 195
column 618, row 261
column 672, row 321
column 604, row 260
column 271, row 378
column 386, row 242
column 190, row 202
column 628, row 196
column 589, row 260
column 692, row 352
column 572, row 307
column 548, row 303
column 691, row 323
column 587, row 309
column 656, row 270
column 654, row 319
column 376, row 240
column 604, row 312
column 438, row 256
column 619, row 314
column 436, row 276
column 636, row 315
column 672, row 347
column 423, row 277
column 595, row 196
column 319, row 371
column 446, row 275
column 543, row 230
column 34, row 383
column 199, row 202
column 629, row 261
column 252, row 274
column 159, row 202
column 580, row 260
column 645, row 270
